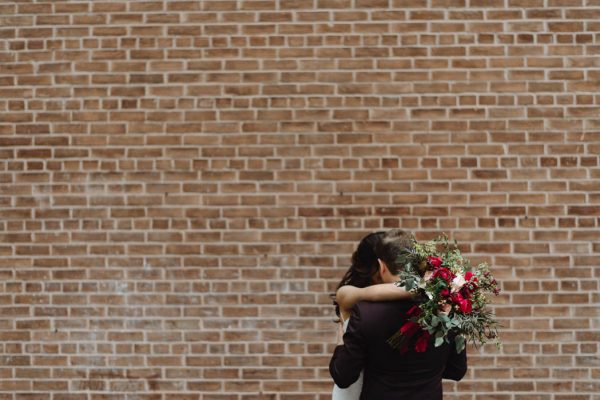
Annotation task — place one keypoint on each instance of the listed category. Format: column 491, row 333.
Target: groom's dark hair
column 391, row 246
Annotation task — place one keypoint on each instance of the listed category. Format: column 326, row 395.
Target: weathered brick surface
column 182, row 183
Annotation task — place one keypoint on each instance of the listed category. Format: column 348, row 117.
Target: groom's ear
column 382, row 267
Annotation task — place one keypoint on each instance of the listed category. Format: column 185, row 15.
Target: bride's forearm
column 383, row 292
column 347, row 296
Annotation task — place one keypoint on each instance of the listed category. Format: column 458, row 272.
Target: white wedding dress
column 353, row 391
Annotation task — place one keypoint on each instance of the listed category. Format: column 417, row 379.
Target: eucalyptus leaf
column 439, row 341
column 460, row 343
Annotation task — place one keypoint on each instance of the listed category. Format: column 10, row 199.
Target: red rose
column 422, row 342
column 443, row 273
column 435, row 262
column 466, row 292
column 409, row 328
column 414, row 311
column 470, row 286
column 456, row 298
column 444, row 292
column 465, row 306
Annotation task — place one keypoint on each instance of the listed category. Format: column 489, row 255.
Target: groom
column 388, row 374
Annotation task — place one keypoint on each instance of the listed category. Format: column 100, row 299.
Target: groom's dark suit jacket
column 389, row 375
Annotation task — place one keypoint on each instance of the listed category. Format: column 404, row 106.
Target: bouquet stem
column 398, row 341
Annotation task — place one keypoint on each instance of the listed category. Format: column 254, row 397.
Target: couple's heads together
column 376, row 258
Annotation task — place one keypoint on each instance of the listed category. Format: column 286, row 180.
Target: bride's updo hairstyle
column 364, row 268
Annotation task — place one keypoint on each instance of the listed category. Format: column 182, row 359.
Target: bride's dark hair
column 364, row 265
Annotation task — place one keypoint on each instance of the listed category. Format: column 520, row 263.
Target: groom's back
column 389, row 374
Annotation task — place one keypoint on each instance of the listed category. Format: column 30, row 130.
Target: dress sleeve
column 348, row 359
column 456, row 365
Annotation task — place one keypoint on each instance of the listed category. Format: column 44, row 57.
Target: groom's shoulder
column 376, row 308
column 364, row 304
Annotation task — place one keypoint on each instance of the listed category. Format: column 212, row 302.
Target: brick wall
column 182, row 183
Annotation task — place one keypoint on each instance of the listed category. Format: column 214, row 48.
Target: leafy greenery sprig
column 453, row 296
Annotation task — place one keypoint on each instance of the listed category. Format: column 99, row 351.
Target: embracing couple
column 371, row 310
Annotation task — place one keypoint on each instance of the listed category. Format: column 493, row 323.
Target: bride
column 362, row 282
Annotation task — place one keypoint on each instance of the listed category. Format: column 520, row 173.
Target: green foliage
column 444, row 314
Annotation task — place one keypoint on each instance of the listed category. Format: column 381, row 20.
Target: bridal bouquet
column 454, row 298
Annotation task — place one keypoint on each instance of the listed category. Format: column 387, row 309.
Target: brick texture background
column 182, row 183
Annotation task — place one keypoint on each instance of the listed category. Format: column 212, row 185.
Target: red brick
column 212, row 165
